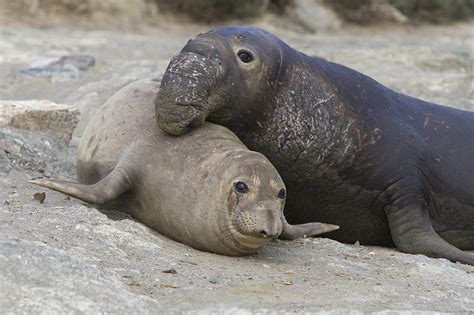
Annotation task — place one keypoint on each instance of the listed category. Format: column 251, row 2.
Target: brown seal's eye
column 245, row 56
column 282, row 193
column 241, row 187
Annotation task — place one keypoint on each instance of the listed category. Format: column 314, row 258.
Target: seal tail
column 107, row 189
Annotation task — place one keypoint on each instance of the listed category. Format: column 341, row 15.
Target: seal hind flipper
column 107, row 189
column 412, row 233
column 292, row 232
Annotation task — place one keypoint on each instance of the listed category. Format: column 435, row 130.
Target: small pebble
column 39, row 196
column 171, row 271
column 169, row 285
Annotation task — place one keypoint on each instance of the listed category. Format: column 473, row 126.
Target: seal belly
column 359, row 212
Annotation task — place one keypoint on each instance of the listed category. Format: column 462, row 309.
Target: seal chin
column 220, row 117
column 251, row 243
column 253, row 230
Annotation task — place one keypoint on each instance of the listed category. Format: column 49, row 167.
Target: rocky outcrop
column 33, row 152
column 38, row 278
column 59, row 69
column 40, row 115
column 313, row 16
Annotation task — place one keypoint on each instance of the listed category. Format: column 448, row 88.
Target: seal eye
column 241, row 187
column 282, row 193
column 245, row 56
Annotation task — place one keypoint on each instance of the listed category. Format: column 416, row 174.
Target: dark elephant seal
column 386, row 167
column 205, row 189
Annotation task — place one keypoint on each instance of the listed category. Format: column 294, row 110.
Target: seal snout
column 270, row 232
column 270, row 226
column 182, row 101
column 261, row 221
column 204, row 46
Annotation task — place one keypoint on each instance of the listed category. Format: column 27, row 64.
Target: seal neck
column 308, row 121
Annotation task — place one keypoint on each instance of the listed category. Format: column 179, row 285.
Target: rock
column 314, row 16
column 108, row 14
column 40, row 115
column 217, row 10
column 4, row 162
column 56, row 73
column 59, row 69
column 81, row 62
column 37, row 278
column 435, row 11
column 35, row 152
column 367, row 11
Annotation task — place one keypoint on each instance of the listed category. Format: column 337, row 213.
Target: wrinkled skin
column 388, row 168
column 185, row 187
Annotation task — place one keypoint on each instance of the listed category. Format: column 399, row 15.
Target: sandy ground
column 62, row 256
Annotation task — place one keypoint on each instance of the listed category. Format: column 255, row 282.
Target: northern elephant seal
column 205, row 189
column 386, row 167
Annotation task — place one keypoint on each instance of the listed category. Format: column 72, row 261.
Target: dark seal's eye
column 282, row 193
column 241, row 187
column 245, row 56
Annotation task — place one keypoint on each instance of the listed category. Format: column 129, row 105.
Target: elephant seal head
column 241, row 209
column 251, row 197
column 223, row 76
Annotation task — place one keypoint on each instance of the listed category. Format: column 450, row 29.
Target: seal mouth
column 253, row 242
column 219, row 117
column 189, row 116
column 251, row 228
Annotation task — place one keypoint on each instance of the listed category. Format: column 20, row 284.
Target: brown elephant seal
column 389, row 169
column 205, row 189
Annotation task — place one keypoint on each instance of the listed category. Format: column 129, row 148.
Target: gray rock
column 4, row 162
column 37, row 278
column 34, row 152
column 368, row 11
column 314, row 16
column 59, row 69
column 57, row 74
column 81, row 62
column 40, row 115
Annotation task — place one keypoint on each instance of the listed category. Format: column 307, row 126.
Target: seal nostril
column 263, row 233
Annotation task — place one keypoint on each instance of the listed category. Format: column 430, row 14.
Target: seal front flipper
column 292, row 232
column 412, row 233
column 107, row 189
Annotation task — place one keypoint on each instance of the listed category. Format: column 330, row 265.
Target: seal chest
column 204, row 189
